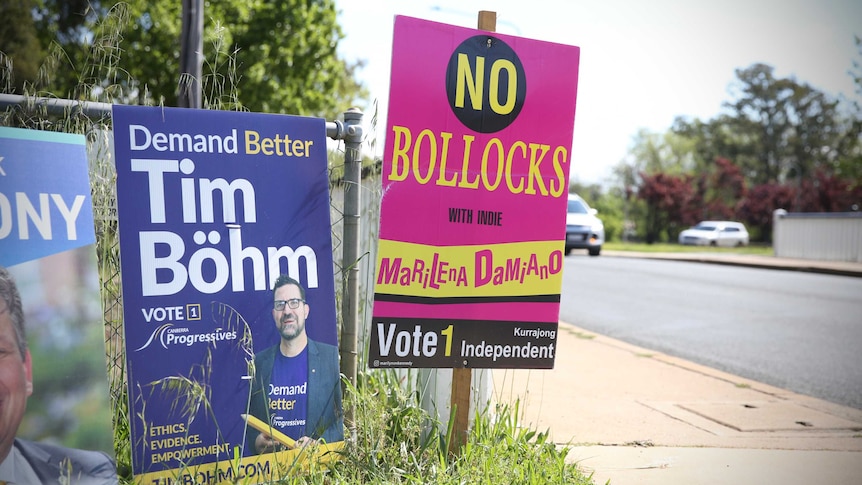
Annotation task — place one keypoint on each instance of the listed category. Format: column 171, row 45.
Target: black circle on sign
column 493, row 109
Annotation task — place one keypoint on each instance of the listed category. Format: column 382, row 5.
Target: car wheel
column 595, row 251
column 713, row 243
column 568, row 250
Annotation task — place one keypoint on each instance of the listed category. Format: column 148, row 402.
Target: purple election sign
column 213, row 207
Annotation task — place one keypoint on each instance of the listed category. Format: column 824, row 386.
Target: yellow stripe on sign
column 266, row 468
column 494, row 270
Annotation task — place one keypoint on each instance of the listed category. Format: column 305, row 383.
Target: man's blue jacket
column 325, row 416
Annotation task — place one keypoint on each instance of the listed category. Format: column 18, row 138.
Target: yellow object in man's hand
column 268, row 430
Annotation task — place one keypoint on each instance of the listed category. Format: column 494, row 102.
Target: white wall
column 826, row 236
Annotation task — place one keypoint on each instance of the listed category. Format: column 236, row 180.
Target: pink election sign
column 475, row 182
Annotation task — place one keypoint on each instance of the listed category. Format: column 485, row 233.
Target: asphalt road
column 794, row 330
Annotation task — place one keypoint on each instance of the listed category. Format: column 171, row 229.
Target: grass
column 755, row 249
column 398, row 442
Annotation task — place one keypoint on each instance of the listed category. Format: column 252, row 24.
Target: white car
column 715, row 233
column 583, row 229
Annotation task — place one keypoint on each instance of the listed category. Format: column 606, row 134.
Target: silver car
column 583, row 229
column 715, row 233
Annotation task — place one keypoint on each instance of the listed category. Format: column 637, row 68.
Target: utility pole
column 191, row 54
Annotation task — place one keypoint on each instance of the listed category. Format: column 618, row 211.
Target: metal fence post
column 350, row 254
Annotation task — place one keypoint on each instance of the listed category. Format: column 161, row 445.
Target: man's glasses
column 293, row 303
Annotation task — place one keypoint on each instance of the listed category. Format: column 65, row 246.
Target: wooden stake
column 460, row 405
column 487, row 20
column 462, row 377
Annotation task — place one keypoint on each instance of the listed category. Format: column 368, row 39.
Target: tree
column 666, row 197
column 19, row 44
column 719, row 138
column 758, row 207
column 799, row 148
column 270, row 56
column 651, row 154
column 849, row 165
column 660, row 152
column 721, row 188
column 824, row 192
column 609, row 209
column 788, row 129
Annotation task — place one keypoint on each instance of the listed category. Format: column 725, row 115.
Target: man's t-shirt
column 288, row 394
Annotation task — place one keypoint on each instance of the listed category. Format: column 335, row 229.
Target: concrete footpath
column 633, row 416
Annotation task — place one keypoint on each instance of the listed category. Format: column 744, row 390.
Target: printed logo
column 277, row 421
column 169, row 336
column 486, row 84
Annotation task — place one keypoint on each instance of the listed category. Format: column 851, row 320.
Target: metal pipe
column 57, row 106
column 94, row 109
column 350, row 250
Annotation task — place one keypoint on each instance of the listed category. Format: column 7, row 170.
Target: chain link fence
column 69, row 118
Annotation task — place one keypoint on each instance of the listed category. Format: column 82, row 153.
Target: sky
column 643, row 62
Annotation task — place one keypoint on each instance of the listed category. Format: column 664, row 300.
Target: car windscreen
column 577, row 207
column 705, row 227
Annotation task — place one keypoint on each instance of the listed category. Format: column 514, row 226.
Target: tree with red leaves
column 666, row 197
column 757, row 208
column 827, row 193
column 724, row 188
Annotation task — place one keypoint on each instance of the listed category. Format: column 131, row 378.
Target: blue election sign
column 213, row 206
column 45, row 205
